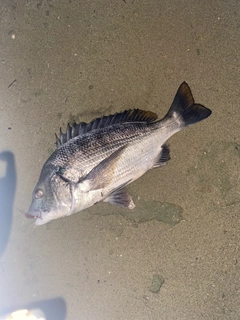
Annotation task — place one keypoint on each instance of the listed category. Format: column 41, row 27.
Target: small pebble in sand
column 157, row 282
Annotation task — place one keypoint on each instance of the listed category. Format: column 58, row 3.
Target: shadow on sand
column 7, row 193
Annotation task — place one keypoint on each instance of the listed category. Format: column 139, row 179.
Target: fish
column 95, row 161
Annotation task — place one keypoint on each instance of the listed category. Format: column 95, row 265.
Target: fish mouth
column 33, row 215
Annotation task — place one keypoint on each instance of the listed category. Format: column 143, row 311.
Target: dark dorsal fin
column 132, row 115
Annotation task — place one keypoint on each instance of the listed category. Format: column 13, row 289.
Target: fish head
column 51, row 198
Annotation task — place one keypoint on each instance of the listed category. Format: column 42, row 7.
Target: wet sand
column 176, row 255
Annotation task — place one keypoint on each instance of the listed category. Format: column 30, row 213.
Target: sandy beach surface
column 176, row 255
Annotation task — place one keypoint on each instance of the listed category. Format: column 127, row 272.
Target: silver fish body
column 95, row 161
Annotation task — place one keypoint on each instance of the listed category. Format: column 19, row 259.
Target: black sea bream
column 96, row 161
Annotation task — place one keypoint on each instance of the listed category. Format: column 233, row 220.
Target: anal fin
column 164, row 156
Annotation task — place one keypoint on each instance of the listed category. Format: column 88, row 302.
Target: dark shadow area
column 53, row 309
column 7, row 193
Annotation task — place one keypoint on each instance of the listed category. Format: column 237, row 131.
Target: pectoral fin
column 101, row 175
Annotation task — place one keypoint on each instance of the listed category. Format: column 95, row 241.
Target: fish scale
column 86, row 152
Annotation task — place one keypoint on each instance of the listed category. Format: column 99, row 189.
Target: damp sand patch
column 144, row 211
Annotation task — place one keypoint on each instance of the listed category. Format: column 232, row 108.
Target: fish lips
column 37, row 216
column 33, row 215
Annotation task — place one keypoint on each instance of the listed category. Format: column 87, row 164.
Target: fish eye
column 38, row 193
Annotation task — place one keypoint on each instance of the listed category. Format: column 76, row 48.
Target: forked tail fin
column 185, row 110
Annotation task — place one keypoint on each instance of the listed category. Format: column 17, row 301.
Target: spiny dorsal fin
column 132, row 115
